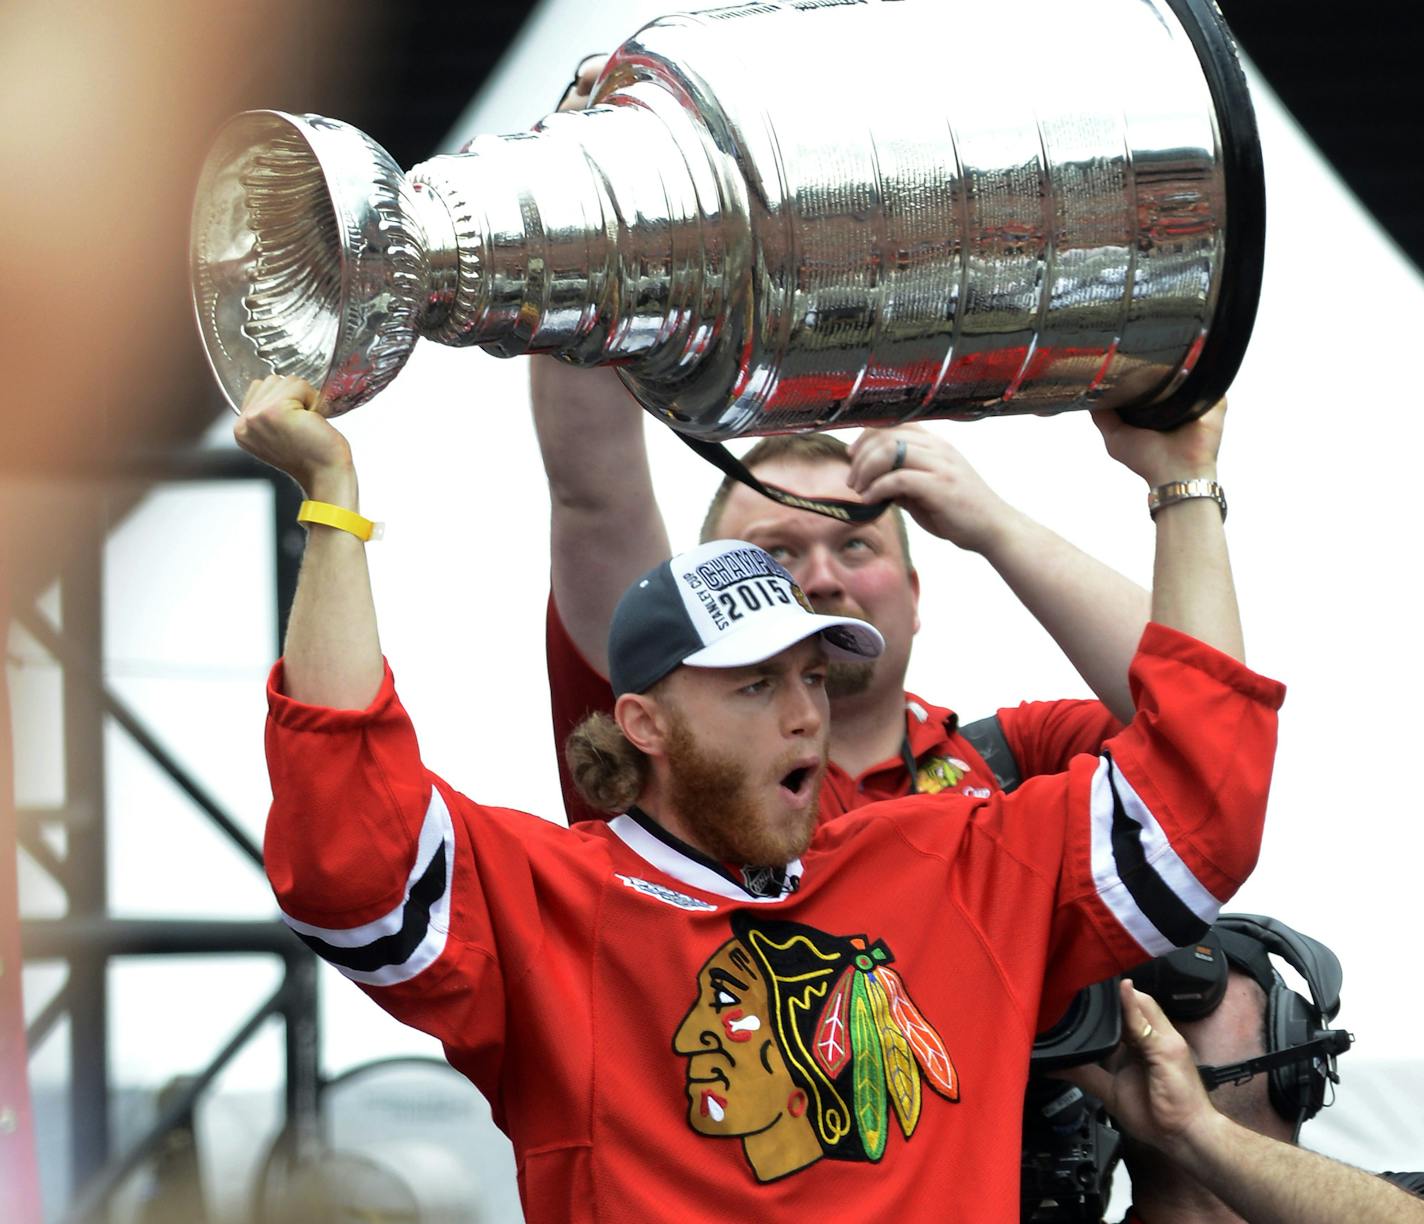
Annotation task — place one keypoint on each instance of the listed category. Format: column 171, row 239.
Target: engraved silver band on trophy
column 783, row 217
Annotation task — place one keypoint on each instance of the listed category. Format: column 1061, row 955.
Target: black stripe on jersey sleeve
column 397, row 948
column 1153, row 896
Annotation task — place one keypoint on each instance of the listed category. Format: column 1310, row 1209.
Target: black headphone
column 1297, row 1088
column 1300, row 1048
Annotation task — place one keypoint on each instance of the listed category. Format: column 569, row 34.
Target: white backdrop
column 1319, row 467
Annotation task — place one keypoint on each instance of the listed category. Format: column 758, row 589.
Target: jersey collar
column 927, row 726
column 674, row 857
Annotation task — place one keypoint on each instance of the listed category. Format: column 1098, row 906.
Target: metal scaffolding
column 89, row 937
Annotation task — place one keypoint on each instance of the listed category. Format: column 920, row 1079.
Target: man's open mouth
column 797, row 780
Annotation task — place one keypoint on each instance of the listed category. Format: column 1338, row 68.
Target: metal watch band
column 1175, row 491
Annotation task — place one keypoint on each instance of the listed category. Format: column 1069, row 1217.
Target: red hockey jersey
column 662, row 1044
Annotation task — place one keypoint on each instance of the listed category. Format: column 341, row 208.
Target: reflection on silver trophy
column 786, row 216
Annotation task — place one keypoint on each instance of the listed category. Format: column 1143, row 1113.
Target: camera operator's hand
column 1155, row 1093
column 1153, row 1090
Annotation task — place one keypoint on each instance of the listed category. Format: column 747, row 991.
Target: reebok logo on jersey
column 668, row 896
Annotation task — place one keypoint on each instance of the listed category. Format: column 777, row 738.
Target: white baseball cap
column 726, row 603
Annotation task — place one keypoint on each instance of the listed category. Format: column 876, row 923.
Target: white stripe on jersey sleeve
column 1157, row 851
column 436, row 830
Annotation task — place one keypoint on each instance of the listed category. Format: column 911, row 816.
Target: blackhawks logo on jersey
column 939, row 773
column 803, row 1045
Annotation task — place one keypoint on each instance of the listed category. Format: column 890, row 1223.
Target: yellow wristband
column 342, row 519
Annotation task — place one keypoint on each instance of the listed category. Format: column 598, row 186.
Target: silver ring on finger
column 901, row 447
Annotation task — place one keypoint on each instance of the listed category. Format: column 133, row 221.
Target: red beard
column 713, row 796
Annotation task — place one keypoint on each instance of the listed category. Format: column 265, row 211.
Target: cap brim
column 772, row 632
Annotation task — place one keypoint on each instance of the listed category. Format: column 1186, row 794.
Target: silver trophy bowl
column 786, row 216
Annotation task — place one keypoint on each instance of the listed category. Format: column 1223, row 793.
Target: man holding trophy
column 855, row 1012
column 884, row 741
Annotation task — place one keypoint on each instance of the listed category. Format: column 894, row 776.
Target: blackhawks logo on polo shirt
column 804, row 1045
column 939, row 773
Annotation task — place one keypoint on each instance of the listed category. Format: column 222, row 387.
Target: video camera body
column 1071, row 1147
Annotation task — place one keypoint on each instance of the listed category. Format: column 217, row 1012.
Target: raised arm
column 1157, row 1096
column 1192, row 588
column 365, row 848
column 1094, row 613
column 1151, row 854
column 606, row 527
column 333, row 652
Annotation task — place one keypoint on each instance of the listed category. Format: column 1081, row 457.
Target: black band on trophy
column 847, row 511
column 1243, row 240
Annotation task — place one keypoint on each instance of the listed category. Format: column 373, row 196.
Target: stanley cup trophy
column 786, row 216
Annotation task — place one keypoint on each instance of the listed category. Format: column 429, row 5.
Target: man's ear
column 644, row 722
column 915, row 591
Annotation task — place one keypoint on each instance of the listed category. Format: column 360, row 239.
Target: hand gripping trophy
column 786, row 216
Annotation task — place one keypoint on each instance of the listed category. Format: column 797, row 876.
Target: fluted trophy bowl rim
column 292, row 262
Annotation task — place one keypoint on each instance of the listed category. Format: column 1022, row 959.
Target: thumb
column 1146, row 1028
column 1141, row 1011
